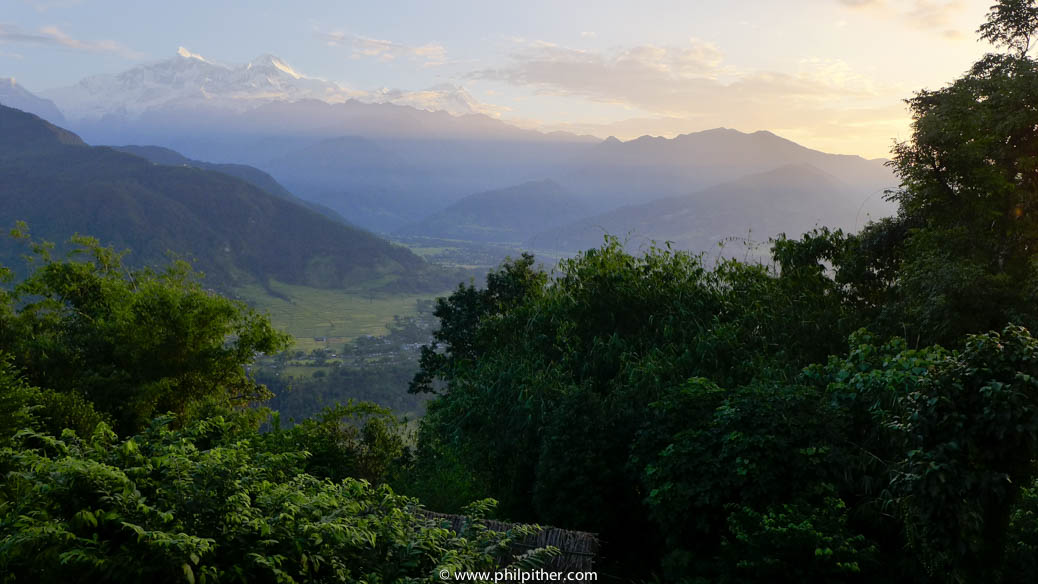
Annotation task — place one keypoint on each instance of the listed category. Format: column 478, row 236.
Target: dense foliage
column 133, row 344
column 209, row 503
column 188, row 489
column 676, row 410
column 865, row 409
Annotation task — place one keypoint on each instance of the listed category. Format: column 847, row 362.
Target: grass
column 334, row 315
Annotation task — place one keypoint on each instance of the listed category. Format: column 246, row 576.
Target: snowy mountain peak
column 191, row 81
column 268, row 60
column 189, row 55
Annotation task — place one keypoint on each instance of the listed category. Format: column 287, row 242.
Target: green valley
column 321, row 318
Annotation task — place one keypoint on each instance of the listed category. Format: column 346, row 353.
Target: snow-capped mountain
column 14, row 95
column 189, row 80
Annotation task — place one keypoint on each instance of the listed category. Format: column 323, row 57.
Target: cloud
column 693, row 84
column 646, row 75
column 52, row 36
column 446, row 97
column 678, row 81
column 933, row 16
column 936, row 16
column 430, row 54
column 588, row 35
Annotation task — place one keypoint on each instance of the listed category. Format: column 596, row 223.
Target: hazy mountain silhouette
column 257, row 177
column 791, row 199
column 249, row 174
column 14, row 95
column 237, row 233
column 267, row 115
column 506, row 215
column 383, row 166
column 615, row 173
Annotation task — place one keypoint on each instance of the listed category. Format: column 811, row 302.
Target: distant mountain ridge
column 237, row 233
column 22, row 132
column 791, row 199
column 357, row 178
column 616, row 173
column 14, row 95
column 509, row 215
column 249, row 174
column 188, row 83
column 187, row 79
column 160, row 155
column 385, row 167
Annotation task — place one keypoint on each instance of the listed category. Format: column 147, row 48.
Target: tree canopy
column 864, row 409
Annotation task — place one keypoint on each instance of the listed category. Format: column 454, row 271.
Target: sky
column 829, row 74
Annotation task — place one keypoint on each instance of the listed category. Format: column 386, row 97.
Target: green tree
column 968, row 431
column 461, row 314
column 358, row 439
column 963, row 245
column 959, row 257
column 551, row 413
column 1011, row 24
column 134, row 343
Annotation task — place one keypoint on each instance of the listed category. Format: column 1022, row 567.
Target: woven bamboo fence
column 577, row 548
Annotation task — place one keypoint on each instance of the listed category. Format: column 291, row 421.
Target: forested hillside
column 249, row 174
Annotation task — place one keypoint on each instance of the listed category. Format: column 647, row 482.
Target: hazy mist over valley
column 396, row 169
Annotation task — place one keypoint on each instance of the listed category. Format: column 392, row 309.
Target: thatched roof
column 578, row 548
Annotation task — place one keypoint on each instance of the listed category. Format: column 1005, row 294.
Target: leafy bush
column 359, row 440
column 207, row 503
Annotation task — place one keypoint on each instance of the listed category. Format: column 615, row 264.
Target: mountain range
column 791, row 199
column 236, row 232
column 510, row 215
column 14, row 95
column 189, row 80
column 615, row 173
column 249, row 174
column 398, row 169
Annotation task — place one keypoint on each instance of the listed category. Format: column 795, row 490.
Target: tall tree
column 959, row 257
column 134, row 343
column 1011, row 24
